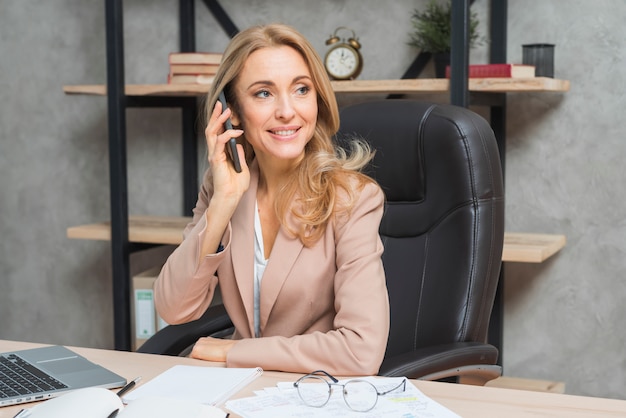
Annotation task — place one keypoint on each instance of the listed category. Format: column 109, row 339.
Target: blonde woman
column 292, row 240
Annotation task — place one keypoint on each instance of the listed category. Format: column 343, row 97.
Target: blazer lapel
column 282, row 259
column 242, row 247
column 281, row 262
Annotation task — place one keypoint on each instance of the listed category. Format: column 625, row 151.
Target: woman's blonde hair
column 327, row 178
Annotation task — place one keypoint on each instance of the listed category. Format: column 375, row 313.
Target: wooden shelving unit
column 518, row 247
column 127, row 234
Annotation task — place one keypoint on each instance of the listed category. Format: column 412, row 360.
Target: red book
column 498, row 70
column 195, row 57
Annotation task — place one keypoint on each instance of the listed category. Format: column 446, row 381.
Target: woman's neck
column 270, row 183
column 273, row 175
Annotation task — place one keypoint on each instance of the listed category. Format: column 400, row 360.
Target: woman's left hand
column 212, row 349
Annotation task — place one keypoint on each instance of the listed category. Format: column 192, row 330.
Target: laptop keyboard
column 18, row 377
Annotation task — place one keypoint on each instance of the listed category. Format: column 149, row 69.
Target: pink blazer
column 322, row 307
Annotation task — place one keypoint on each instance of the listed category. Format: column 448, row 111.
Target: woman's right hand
column 227, row 183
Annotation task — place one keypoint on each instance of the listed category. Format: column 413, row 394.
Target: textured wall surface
column 564, row 173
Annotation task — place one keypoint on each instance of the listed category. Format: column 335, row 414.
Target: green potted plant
column 432, row 31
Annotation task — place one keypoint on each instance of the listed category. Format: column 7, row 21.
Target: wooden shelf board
column 404, row 86
column 518, row 247
column 416, row 85
column 521, row 85
column 442, row 85
column 144, row 229
column 527, row 384
column 142, row 89
column 531, row 248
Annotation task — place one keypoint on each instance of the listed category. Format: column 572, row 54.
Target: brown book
column 498, row 71
column 195, row 57
column 190, row 78
column 193, row 68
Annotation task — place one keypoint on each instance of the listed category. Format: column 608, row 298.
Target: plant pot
column 442, row 60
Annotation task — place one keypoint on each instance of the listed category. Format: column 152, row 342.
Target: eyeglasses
column 360, row 395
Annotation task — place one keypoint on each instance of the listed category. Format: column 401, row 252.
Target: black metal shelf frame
column 118, row 102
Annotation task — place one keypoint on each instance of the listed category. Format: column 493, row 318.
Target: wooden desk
column 467, row 401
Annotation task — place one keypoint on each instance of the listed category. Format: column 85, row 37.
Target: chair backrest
column 443, row 226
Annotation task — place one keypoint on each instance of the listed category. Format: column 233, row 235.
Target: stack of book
column 193, row 67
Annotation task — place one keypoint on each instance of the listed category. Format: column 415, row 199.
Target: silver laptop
column 41, row 373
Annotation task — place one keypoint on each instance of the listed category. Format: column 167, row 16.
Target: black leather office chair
column 443, row 232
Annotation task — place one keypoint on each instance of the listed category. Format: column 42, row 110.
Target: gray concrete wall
column 564, row 173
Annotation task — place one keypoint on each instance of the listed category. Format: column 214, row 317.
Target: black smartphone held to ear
column 231, row 147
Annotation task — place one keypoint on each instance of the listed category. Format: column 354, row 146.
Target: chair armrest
column 175, row 339
column 475, row 361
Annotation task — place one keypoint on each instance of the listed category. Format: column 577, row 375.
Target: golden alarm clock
column 343, row 61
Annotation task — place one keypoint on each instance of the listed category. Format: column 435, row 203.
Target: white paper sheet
column 283, row 401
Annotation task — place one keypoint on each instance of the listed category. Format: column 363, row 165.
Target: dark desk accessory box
column 541, row 56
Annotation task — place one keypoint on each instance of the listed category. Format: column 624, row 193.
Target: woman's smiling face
column 277, row 103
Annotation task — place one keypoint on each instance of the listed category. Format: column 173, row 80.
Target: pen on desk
column 22, row 414
column 128, row 387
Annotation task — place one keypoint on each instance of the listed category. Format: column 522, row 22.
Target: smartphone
column 231, row 146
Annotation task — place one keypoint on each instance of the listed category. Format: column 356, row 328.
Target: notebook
column 199, row 384
column 41, row 373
